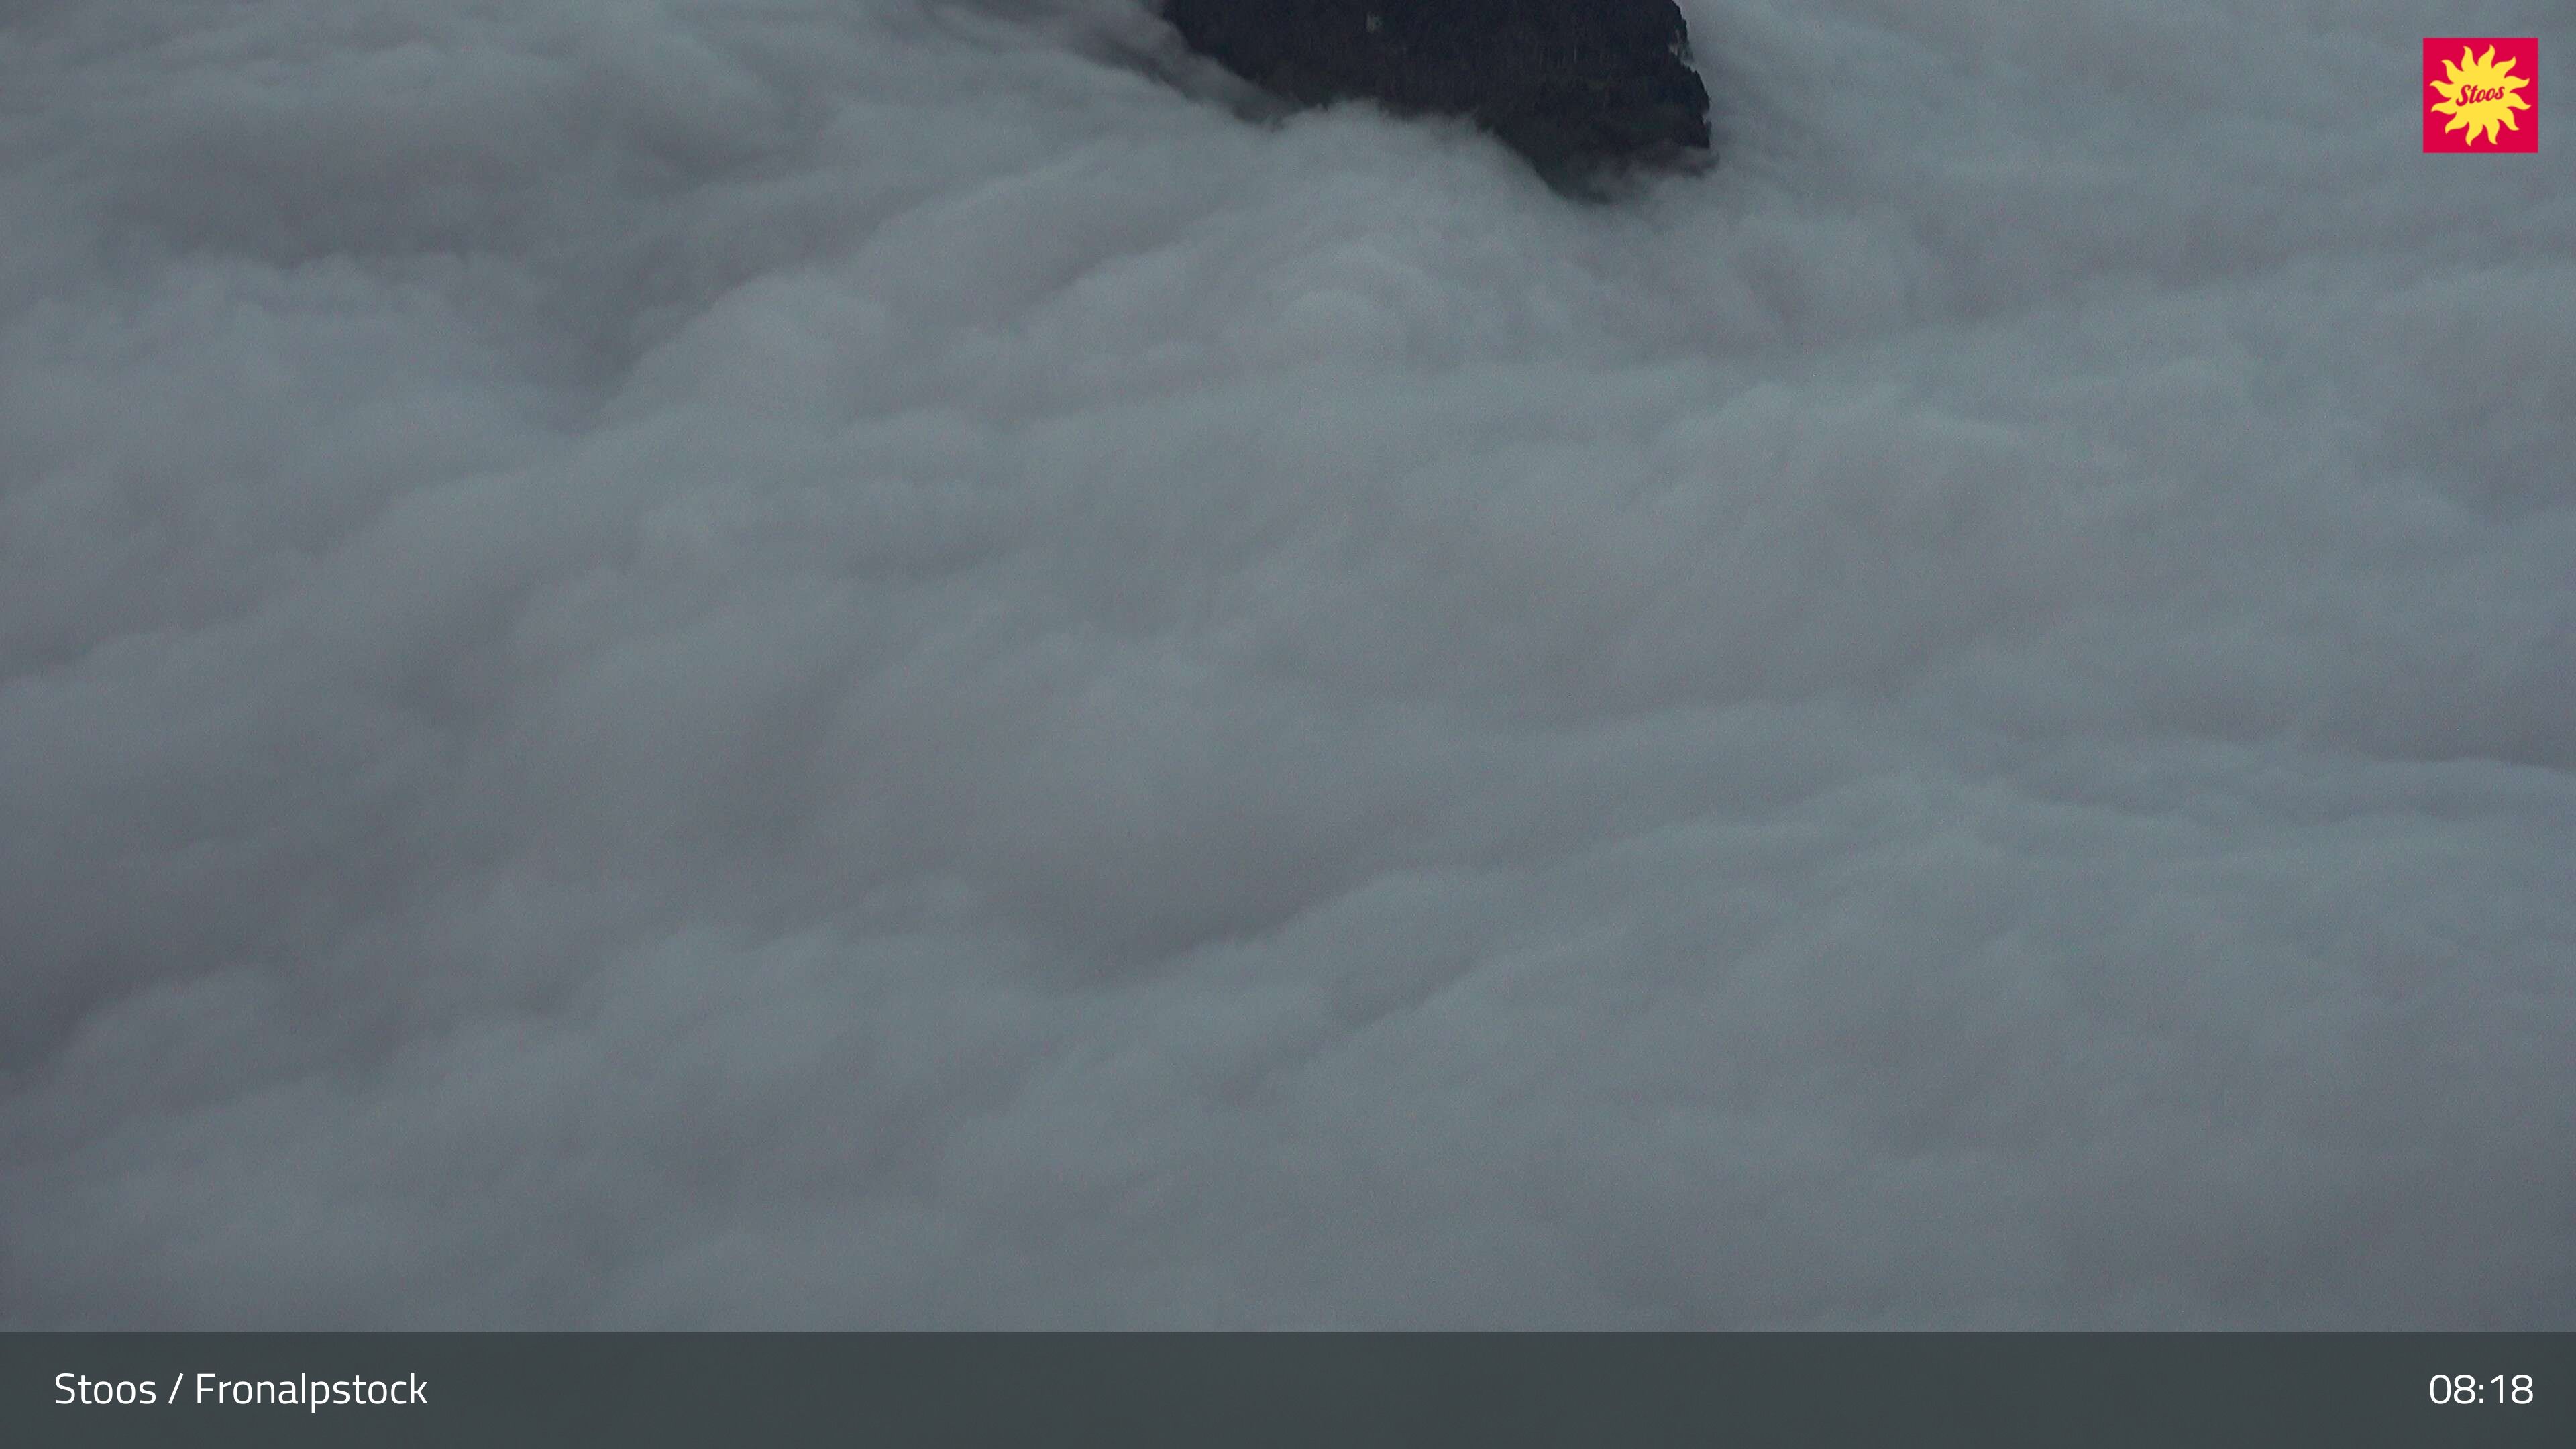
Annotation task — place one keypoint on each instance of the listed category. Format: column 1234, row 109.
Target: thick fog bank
column 863, row 662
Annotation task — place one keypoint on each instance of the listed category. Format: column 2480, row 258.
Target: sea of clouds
column 867, row 662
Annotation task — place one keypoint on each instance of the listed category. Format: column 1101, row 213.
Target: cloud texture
column 847, row 662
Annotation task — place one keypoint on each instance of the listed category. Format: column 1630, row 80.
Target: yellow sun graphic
column 2480, row 95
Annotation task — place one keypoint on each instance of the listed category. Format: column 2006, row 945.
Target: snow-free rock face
column 1577, row 86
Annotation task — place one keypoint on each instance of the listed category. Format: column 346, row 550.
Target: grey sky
column 842, row 662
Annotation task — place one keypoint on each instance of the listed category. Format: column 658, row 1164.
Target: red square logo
column 2481, row 93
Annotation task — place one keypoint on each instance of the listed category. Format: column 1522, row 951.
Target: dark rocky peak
column 1582, row 88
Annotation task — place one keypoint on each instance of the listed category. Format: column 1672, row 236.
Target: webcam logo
column 2479, row 93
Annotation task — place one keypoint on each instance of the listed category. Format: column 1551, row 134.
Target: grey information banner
column 1492, row 1391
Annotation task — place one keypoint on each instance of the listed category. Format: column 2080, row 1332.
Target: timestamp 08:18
column 2471, row 1389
